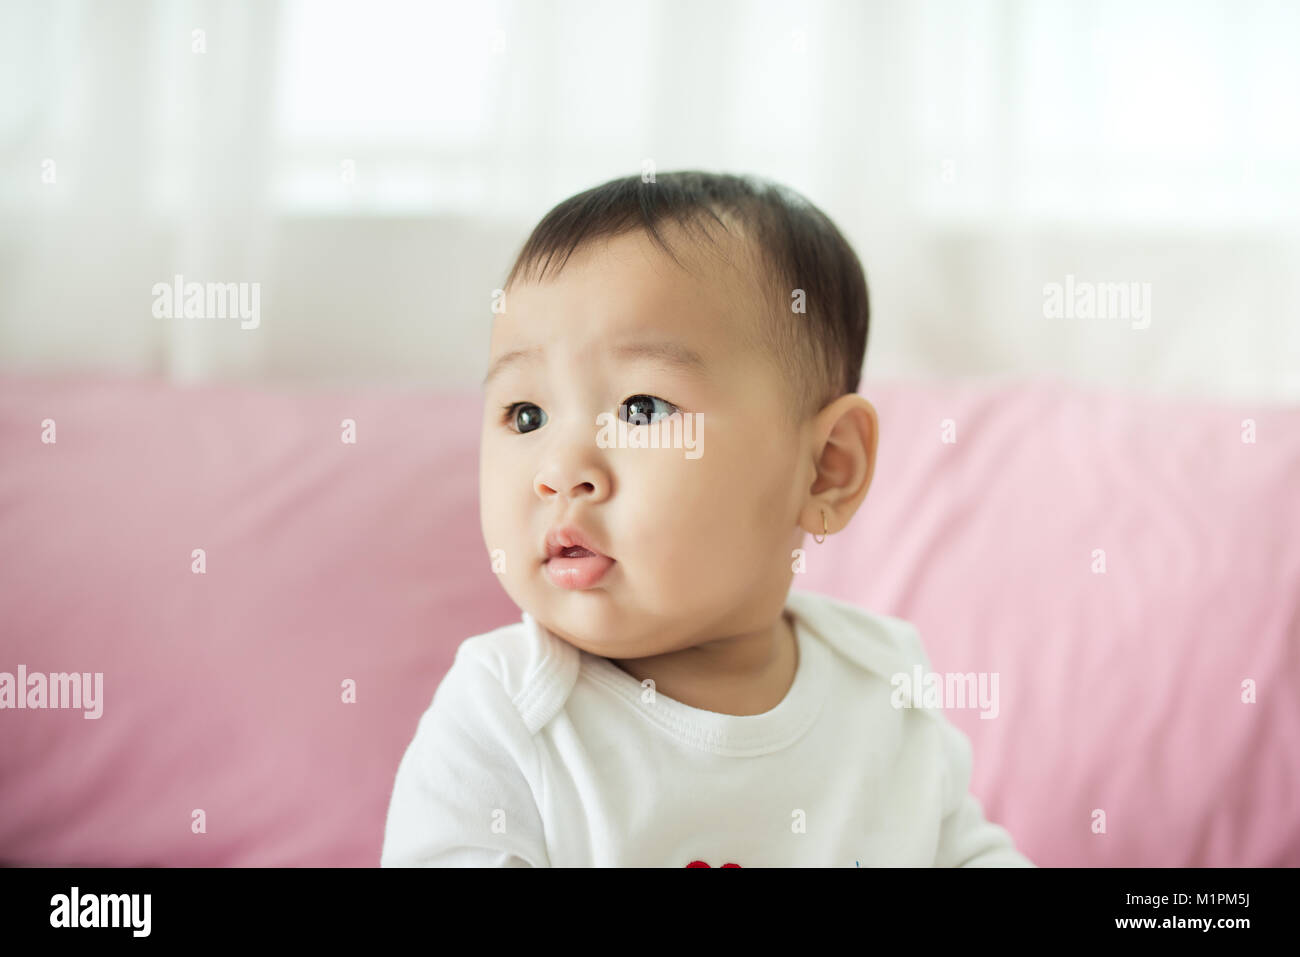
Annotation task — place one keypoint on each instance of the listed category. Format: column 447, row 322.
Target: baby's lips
column 562, row 538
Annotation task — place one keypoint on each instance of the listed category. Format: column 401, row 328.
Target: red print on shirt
column 702, row 864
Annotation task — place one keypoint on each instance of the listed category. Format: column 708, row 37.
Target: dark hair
column 798, row 247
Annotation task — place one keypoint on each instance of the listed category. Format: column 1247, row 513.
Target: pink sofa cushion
column 224, row 691
column 1120, row 691
column 328, row 562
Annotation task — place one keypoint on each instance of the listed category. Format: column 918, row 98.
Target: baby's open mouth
column 576, row 567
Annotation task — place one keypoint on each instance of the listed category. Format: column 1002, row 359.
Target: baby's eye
column 641, row 408
column 524, row 417
column 536, row 416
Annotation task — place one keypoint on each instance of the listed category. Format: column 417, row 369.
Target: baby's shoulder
column 533, row 669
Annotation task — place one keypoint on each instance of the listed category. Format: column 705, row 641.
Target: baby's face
column 701, row 538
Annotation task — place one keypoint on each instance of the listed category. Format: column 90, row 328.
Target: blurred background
column 375, row 166
column 207, row 531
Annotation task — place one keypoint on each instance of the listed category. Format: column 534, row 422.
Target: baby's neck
column 746, row 678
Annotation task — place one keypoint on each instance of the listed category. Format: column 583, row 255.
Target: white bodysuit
column 535, row 753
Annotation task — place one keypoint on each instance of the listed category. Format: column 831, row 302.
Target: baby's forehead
column 702, row 297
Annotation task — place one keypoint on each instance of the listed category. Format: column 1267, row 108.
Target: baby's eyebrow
column 670, row 353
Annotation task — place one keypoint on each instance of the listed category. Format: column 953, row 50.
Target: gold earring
column 823, row 538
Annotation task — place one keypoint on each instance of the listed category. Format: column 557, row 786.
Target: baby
column 666, row 699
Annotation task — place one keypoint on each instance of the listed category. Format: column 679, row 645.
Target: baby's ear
column 847, row 462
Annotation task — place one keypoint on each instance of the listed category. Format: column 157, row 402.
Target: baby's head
column 725, row 315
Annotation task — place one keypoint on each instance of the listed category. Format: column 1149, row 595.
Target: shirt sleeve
column 462, row 795
column 966, row 838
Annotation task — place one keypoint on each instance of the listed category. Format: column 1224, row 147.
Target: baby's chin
column 594, row 624
column 588, row 620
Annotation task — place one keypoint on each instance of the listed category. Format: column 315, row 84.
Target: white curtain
column 373, row 166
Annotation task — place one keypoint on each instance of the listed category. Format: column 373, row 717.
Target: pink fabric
column 1119, row 691
column 326, row 561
